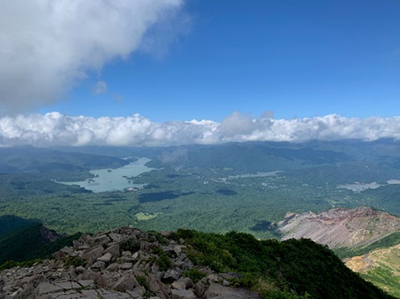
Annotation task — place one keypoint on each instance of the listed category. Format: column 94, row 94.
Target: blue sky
column 328, row 70
column 297, row 58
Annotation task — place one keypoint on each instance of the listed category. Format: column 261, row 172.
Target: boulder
column 126, row 283
column 98, row 265
column 114, row 250
column 101, row 240
column 183, row 294
column 113, row 267
column 93, row 254
column 183, row 283
column 126, row 266
column 46, row 288
column 221, row 292
column 170, row 276
column 106, row 258
column 115, row 237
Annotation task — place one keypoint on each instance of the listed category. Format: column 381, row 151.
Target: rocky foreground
column 123, row 263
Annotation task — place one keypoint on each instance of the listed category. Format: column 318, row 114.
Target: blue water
column 113, row 179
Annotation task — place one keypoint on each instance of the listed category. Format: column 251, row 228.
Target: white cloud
column 54, row 129
column 237, row 124
column 99, row 87
column 48, row 46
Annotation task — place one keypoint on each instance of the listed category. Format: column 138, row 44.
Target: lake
column 114, row 179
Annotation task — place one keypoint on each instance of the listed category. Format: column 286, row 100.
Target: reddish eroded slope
column 340, row 227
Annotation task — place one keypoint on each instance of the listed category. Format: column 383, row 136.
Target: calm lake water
column 114, row 179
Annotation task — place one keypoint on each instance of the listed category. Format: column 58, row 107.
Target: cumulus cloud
column 55, row 129
column 237, row 124
column 48, row 46
column 99, row 87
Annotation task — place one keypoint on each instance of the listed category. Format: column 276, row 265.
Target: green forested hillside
column 9, row 223
column 278, row 269
column 27, row 243
column 52, row 164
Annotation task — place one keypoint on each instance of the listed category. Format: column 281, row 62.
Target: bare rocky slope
column 340, row 227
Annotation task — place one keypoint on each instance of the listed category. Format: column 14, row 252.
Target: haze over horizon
column 168, row 72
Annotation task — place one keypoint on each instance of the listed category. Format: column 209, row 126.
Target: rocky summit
column 123, row 263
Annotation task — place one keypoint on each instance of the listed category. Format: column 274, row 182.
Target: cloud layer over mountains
column 55, row 129
column 47, row 46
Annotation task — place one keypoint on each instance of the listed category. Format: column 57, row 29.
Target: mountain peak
column 130, row 263
column 340, row 227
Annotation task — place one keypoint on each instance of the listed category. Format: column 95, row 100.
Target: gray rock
column 126, row 283
column 200, row 289
column 114, row 250
column 95, row 276
column 90, row 293
column 127, row 253
column 93, row 254
column 179, row 285
column 83, row 247
column 134, row 294
column 183, row 294
column 67, row 250
column 101, row 240
column 67, row 285
column 178, row 249
column 140, row 290
column 213, row 278
column 106, row 258
column 126, row 266
column 126, row 259
column 80, row 269
column 221, row 292
column 85, row 283
column 46, row 288
column 157, row 287
column 189, row 283
column 98, row 265
column 171, row 275
column 115, row 237
column 225, row 283
column 113, row 267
